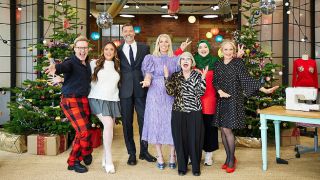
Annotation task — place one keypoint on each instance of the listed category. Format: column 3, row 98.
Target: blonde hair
column 80, row 38
column 228, row 41
column 156, row 51
column 187, row 54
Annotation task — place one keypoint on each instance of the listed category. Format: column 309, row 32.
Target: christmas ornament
column 273, row 70
column 267, row 6
column 42, row 97
column 280, row 73
column 249, row 126
column 284, row 124
column 58, row 118
column 51, row 91
column 34, row 60
column 248, row 51
column 66, row 23
column 264, row 104
column 98, row 126
column 262, row 80
column 20, row 107
column 64, row 120
column 44, row 42
column 95, row 36
column 30, row 48
column 93, row 125
column 268, row 78
column 49, row 55
column 104, row 20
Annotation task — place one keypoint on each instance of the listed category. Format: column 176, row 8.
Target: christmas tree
column 35, row 107
column 260, row 65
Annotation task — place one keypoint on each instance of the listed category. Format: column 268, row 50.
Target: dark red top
column 305, row 73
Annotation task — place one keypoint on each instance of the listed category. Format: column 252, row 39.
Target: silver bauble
column 104, row 20
column 267, row 6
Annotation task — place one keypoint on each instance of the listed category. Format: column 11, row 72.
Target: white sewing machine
column 293, row 95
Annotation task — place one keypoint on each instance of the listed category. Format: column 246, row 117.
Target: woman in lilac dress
column 157, row 116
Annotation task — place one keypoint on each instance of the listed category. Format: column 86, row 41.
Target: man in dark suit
column 132, row 95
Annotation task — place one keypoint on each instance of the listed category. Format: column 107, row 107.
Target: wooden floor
column 27, row 166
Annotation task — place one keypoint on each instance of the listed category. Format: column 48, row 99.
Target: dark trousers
column 127, row 105
column 77, row 111
column 187, row 133
column 211, row 134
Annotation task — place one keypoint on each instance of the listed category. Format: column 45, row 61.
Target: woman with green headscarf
column 203, row 58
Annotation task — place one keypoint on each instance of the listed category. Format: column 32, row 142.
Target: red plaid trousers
column 77, row 111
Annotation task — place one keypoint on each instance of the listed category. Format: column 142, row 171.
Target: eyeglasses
column 186, row 58
column 82, row 48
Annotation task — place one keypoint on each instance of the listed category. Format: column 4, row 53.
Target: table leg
column 264, row 128
column 277, row 136
column 277, row 139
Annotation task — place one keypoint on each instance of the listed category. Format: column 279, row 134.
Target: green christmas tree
column 35, row 107
column 260, row 65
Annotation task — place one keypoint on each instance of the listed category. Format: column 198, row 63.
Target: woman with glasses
column 187, row 86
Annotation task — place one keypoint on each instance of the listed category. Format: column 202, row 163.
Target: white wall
column 4, row 58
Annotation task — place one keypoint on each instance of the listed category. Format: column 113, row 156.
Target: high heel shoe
column 172, row 165
column 231, row 170
column 110, row 169
column 224, row 166
column 160, row 165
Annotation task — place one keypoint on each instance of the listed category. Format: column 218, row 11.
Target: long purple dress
column 157, row 115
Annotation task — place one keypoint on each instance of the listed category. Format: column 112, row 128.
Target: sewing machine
column 293, row 95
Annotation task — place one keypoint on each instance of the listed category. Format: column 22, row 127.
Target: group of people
column 180, row 100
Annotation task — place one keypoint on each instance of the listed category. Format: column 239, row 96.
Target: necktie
column 131, row 56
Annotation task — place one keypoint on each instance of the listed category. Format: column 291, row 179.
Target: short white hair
column 189, row 55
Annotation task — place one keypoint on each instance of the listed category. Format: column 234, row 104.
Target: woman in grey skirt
column 104, row 97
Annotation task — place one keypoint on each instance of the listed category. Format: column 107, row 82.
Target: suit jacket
column 131, row 77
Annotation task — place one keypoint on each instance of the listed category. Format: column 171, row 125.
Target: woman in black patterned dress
column 232, row 82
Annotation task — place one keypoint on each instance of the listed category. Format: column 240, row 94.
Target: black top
column 234, row 79
column 186, row 93
column 77, row 77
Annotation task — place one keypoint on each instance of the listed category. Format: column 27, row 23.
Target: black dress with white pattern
column 234, row 79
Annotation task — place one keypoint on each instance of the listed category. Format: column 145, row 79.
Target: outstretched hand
column 240, row 52
column 269, row 90
column 204, row 72
column 185, row 44
column 51, row 70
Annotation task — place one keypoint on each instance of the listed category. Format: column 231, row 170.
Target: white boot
column 110, row 169
column 208, row 159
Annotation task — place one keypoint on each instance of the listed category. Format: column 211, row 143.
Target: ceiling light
column 175, row 17
column 125, row 6
column 164, row 7
column 214, row 8
column 127, row 15
column 166, row 16
column 192, row 19
column 210, row 16
column 137, row 7
column 19, row 8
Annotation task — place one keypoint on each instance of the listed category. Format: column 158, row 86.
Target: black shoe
column 148, row 157
column 79, row 168
column 181, row 173
column 132, row 160
column 196, row 173
column 87, row 159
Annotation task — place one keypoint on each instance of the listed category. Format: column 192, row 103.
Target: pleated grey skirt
column 106, row 108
